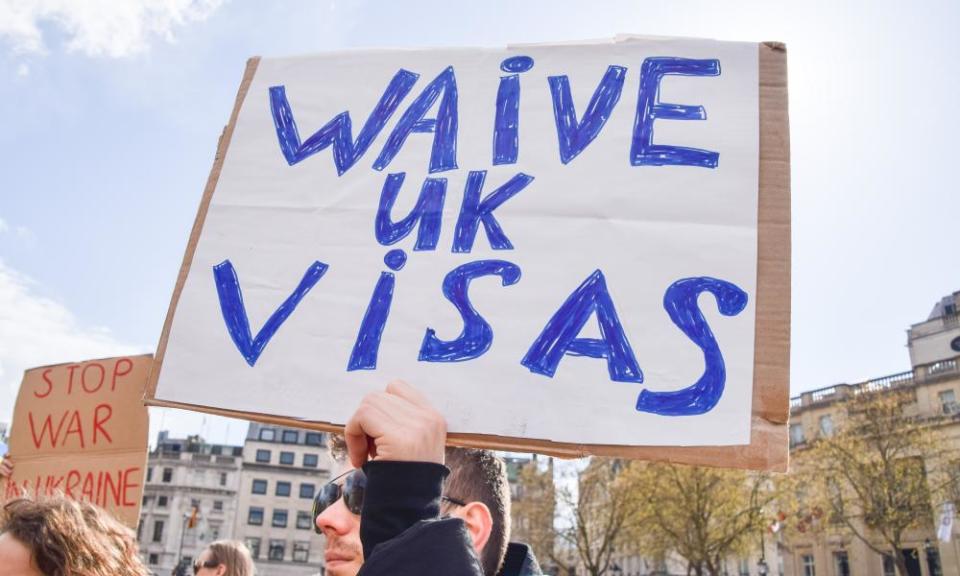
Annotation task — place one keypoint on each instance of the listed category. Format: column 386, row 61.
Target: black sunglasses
column 351, row 489
column 197, row 565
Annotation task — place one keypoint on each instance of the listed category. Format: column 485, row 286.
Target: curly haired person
column 61, row 537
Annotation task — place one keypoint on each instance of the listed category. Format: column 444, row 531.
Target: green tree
column 533, row 509
column 599, row 514
column 875, row 476
column 704, row 515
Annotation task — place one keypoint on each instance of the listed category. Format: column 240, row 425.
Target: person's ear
column 221, row 569
column 479, row 523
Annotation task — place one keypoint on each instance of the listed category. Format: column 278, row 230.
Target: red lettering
column 116, row 371
column 49, row 384
column 53, row 484
column 87, row 490
column 127, row 485
column 99, row 489
column 99, row 421
column 75, row 427
column 70, row 369
column 11, row 490
column 46, row 429
column 111, row 488
column 73, row 478
column 83, row 377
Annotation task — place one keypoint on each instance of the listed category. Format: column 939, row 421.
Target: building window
column 286, row 458
column 167, row 475
column 146, row 500
column 279, row 519
column 216, row 450
column 161, row 501
column 277, row 548
column 826, row 425
column 214, row 532
column 195, row 503
column 290, row 437
column 255, row 516
column 889, row 565
column 307, row 490
column 254, row 545
column 267, row 434
column 841, row 563
column 809, row 568
column 796, row 434
column 948, row 402
column 283, row 489
column 140, row 529
column 149, row 474
column 263, row 456
column 304, row 520
column 310, row 460
column 301, row 551
column 223, row 478
column 744, row 567
column 259, row 487
column 933, row 561
column 158, row 531
column 314, row 439
column 154, row 559
column 218, row 505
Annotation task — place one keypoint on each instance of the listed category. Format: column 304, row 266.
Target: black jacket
column 403, row 534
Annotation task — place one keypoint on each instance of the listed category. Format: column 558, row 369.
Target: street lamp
column 762, row 568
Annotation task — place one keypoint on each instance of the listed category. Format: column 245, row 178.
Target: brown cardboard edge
column 767, row 449
column 222, row 146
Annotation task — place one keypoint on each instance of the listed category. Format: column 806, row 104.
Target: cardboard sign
column 81, row 430
column 565, row 247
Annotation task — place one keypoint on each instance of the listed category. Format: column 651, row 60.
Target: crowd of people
column 403, row 504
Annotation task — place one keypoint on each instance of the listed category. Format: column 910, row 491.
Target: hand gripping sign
column 570, row 249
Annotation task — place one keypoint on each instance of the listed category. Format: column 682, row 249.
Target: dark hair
column 481, row 476
column 67, row 538
column 475, row 476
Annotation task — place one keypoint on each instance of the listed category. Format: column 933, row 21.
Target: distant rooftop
column 947, row 306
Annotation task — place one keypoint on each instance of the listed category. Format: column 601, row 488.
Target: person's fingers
column 358, row 444
column 404, row 390
column 376, row 415
column 393, row 410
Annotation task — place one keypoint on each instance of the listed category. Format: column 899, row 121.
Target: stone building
column 932, row 385
column 183, row 475
column 282, row 470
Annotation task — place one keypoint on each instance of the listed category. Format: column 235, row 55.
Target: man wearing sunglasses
column 397, row 510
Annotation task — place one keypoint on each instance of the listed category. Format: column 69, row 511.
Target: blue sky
column 110, row 114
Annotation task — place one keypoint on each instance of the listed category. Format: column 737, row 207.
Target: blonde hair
column 234, row 555
column 68, row 538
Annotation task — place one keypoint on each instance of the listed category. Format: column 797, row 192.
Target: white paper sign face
column 578, row 265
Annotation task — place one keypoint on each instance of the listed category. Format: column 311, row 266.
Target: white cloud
column 23, row 70
column 3, row 226
column 113, row 28
column 36, row 331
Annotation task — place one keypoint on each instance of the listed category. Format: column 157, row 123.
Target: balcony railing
column 919, row 375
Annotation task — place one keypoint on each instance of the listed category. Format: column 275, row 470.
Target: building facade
column 282, row 470
column 932, row 386
column 189, row 499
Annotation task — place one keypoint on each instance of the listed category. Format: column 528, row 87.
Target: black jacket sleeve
column 400, row 525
